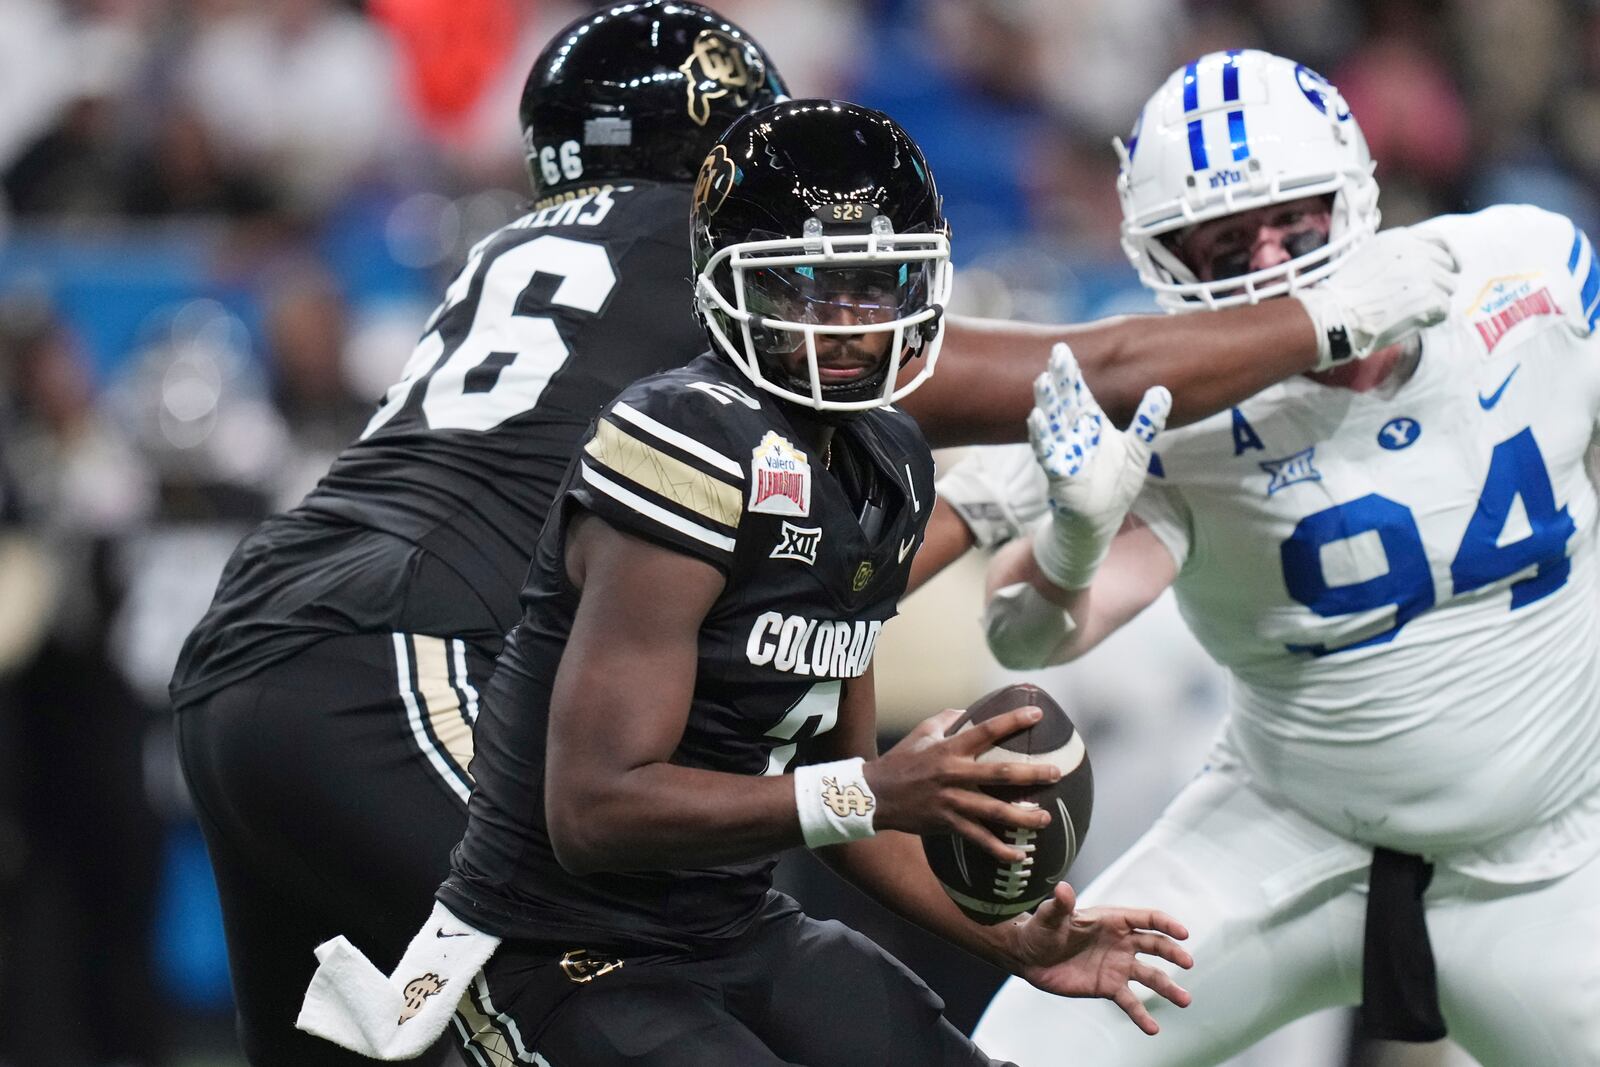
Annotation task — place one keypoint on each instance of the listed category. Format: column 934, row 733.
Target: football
column 987, row 890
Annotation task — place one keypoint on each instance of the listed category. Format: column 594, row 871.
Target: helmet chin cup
column 1235, row 131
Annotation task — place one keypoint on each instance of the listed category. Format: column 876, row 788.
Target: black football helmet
column 638, row 90
column 816, row 218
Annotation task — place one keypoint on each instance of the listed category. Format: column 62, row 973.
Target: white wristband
column 834, row 801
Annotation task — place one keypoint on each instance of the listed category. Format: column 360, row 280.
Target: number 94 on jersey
column 1490, row 551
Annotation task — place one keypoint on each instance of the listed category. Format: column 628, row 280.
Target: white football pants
column 1275, row 907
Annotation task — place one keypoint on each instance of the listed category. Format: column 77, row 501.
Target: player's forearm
column 892, row 868
column 946, row 539
column 983, row 389
column 1050, row 626
column 1209, row 361
column 662, row 816
column 1056, row 624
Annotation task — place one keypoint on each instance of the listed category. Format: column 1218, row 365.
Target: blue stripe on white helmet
column 1230, row 132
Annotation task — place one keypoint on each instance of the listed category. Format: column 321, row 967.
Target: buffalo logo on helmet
column 715, row 68
column 417, row 992
column 715, row 181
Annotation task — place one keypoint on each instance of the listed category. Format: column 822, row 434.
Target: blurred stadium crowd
column 222, row 223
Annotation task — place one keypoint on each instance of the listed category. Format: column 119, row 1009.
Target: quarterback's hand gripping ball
column 1094, row 469
column 989, row 890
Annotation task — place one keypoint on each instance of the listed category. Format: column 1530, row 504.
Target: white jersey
column 1403, row 582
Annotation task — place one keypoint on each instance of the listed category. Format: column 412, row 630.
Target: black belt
column 1399, row 988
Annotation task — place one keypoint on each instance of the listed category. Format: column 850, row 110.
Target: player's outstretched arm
column 983, row 389
column 1396, row 284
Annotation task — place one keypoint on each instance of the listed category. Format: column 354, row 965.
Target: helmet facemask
column 798, row 314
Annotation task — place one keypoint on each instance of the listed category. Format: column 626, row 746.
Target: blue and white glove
column 1094, row 469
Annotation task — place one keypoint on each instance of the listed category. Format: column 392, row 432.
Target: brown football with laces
column 986, row 889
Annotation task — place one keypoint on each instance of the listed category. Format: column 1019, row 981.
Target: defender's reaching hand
column 1094, row 469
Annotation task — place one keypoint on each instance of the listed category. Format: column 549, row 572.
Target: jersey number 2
column 507, row 357
column 815, row 713
column 1516, row 469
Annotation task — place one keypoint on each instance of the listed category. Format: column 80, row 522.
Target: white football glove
column 1094, row 469
column 998, row 490
column 1398, row 282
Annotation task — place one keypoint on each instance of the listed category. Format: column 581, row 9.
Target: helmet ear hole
column 639, row 90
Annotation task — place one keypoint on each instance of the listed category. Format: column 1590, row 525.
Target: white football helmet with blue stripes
column 1230, row 132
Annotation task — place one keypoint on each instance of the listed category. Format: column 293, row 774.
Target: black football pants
column 330, row 788
column 790, row 990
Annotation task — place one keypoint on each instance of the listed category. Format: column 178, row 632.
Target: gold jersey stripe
column 681, row 441
column 440, row 701
column 644, row 464
column 421, row 717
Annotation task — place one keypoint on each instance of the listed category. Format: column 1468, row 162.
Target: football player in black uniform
column 325, row 701
column 707, row 595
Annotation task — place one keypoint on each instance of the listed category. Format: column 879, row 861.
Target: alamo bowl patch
column 1505, row 302
column 780, row 478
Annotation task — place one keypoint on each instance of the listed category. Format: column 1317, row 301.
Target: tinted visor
column 856, row 295
column 1299, row 243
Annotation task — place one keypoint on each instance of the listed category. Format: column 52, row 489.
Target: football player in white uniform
column 1396, row 563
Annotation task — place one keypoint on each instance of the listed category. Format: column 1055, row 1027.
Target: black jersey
column 426, row 523
column 695, row 460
